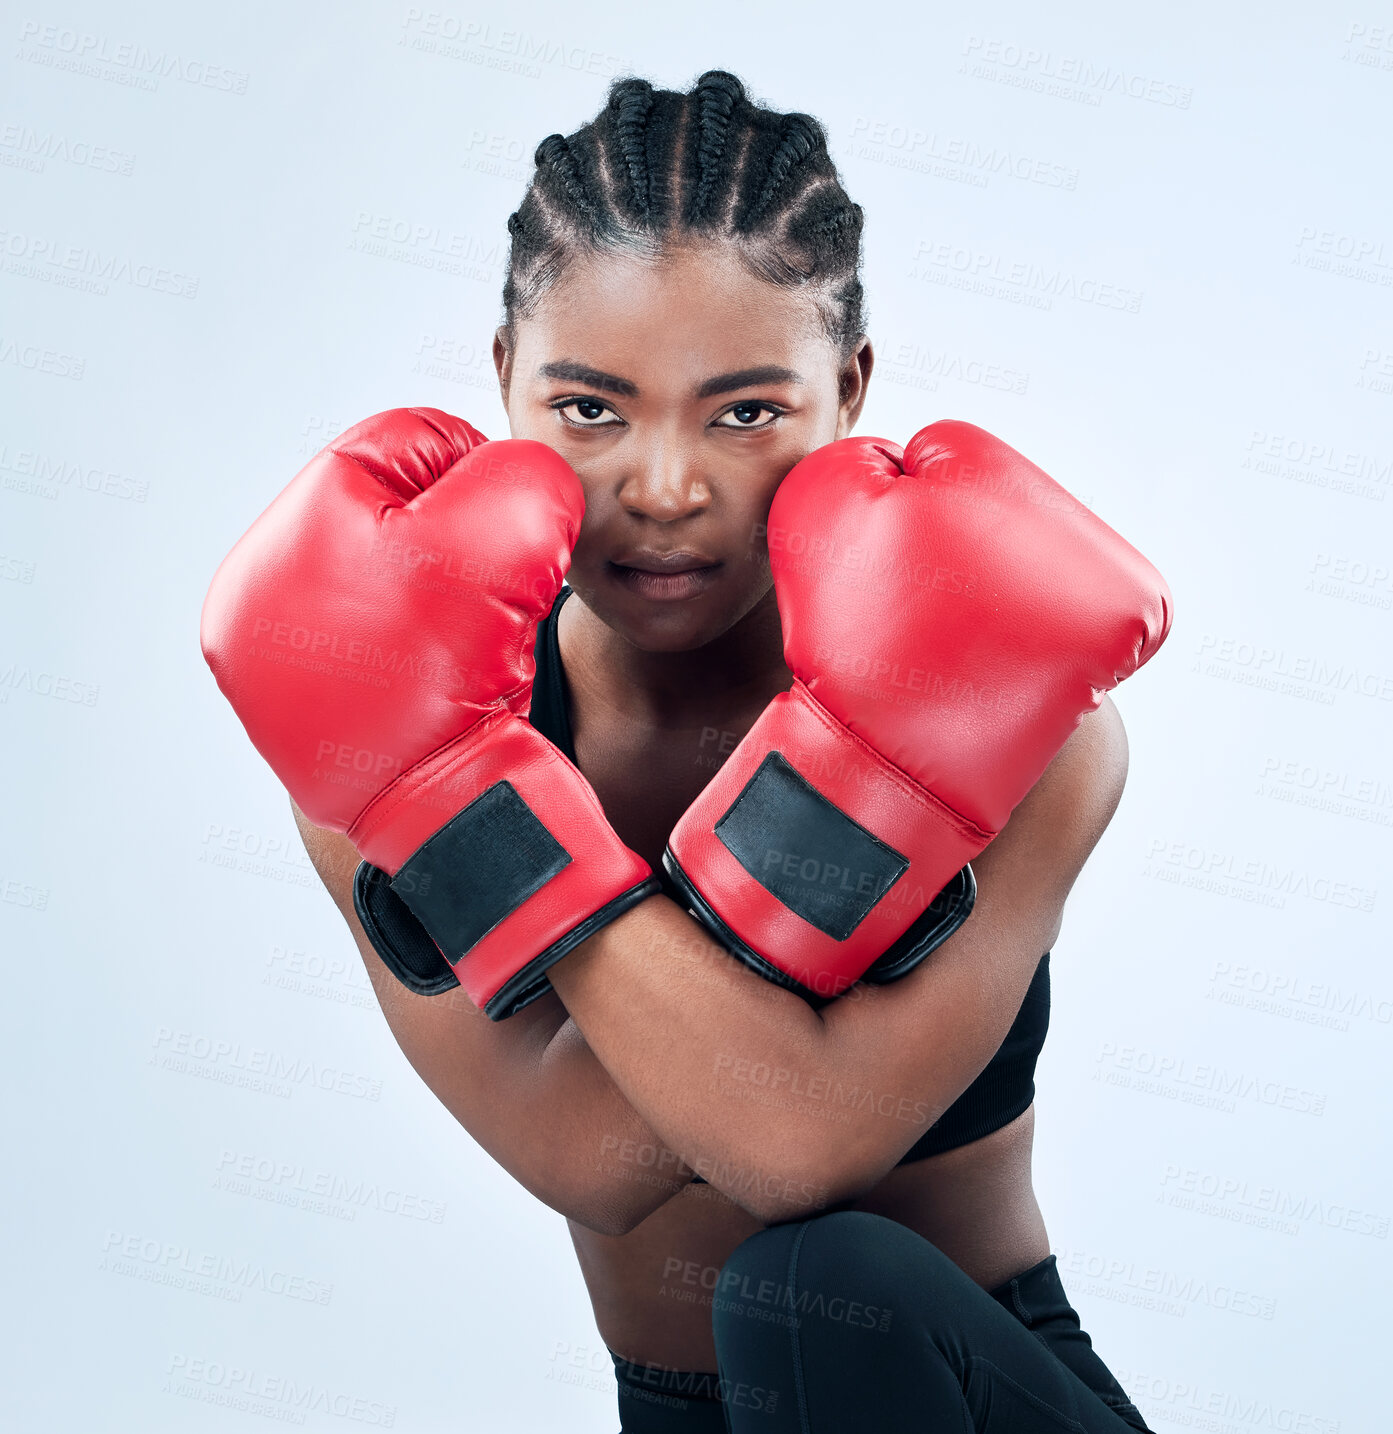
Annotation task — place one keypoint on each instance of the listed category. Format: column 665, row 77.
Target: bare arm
column 782, row 1107
column 528, row 1089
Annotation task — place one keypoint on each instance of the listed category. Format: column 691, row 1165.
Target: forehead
column 691, row 311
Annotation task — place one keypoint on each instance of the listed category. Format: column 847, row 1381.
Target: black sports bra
column 1003, row 1090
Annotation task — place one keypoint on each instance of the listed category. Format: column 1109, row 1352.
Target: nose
column 663, row 480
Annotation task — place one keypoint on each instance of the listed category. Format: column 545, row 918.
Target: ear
column 503, row 361
column 852, row 382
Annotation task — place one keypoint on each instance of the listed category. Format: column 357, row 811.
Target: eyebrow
column 708, row 388
column 747, row 378
column 591, row 377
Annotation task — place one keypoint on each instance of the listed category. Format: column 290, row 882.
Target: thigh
column 853, row 1322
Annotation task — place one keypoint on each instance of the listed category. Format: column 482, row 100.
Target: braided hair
column 659, row 166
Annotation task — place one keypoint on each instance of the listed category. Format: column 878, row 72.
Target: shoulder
column 1090, row 770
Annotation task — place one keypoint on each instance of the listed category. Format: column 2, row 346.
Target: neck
column 744, row 664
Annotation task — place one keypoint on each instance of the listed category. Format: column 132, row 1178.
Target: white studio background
column 1154, row 252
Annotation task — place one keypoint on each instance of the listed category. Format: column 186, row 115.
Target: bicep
column 924, row 1039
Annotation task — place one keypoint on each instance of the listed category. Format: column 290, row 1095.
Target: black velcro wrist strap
column 397, row 936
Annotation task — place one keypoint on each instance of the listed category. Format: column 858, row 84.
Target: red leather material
column 375, row 611
column 503, row 747
column 969, row 692
column 375, row 629
column 951, row 612
column 868, row 789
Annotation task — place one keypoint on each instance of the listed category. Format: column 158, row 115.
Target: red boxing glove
column 375, row 632
column 949, row 615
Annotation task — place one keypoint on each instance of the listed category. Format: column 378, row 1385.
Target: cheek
column 600, row 513
column 749, row 532
column 525, row 422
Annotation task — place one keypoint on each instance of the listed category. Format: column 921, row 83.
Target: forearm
column 740, row 1077
column 528, row 1089
column 534, row 1095
column 621, row 1167
column 731, row 1068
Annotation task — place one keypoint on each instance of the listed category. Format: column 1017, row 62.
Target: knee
column 845, row 1249
column 848, row 1275
column 861, row 1237
column 760, row 1258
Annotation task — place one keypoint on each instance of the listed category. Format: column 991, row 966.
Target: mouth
column 670, row 584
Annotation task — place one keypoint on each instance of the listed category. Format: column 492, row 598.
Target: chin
column 668, row 631
column 662, row 626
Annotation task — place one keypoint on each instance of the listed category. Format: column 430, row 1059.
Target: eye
column 590, row 412
column 745, row 415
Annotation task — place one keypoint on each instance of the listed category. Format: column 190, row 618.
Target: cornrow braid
column 656, row 166
column 716, row 95
column 553, row 158
column 798, row 139
column 631, row 102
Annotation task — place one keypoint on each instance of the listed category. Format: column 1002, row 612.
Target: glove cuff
column 416, row 961
column 526, row 867
column 939, row 920
column 817, row 856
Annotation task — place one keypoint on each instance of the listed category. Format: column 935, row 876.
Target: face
column 681, row 390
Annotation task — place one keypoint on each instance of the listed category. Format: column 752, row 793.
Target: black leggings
column 851, row 1322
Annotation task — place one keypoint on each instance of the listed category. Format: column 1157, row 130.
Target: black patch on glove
column 805, row 851
column 478, row 869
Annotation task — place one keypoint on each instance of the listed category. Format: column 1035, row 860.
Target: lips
column 686, row 575
column 681, row 560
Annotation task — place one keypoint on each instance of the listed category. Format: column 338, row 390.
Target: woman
column 683, row 325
